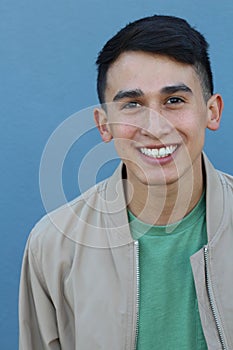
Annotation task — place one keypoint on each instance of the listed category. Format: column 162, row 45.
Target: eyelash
column 131, row 104
column 170, row 101
column 175, row 100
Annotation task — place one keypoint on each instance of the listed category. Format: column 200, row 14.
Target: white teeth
column 162, row 152
column 159, row 153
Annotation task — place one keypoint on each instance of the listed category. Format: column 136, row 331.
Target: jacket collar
column 118, row 226
column 214, row 198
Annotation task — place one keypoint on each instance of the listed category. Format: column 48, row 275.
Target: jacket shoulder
column 226, row 179
column 62, row 223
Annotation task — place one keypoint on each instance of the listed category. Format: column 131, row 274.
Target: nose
column 155, row 125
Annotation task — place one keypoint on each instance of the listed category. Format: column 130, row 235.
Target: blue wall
column 47, row 73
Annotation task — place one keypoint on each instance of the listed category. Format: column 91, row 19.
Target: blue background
column 47, row 73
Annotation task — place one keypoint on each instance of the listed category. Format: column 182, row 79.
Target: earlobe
column 215, row 108
column 101, row 121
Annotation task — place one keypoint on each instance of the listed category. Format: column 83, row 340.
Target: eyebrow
column 128, row 94
column 176, row 88
column 135, row 93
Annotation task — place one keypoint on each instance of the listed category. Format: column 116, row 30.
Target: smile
column 159, row 152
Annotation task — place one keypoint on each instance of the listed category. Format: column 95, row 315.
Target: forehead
column 148, row 71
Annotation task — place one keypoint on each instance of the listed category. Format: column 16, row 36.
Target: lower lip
column 160, row 161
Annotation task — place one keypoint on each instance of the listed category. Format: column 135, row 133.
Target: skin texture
column 153, row 102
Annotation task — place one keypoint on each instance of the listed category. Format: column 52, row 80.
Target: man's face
column 157, row 116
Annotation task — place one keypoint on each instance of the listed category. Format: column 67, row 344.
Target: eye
column 131, row 105
column 174, row 100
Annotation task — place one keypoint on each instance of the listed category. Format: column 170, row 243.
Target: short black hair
column 164, row 35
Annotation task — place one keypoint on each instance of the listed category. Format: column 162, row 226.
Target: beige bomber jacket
column 79, row 279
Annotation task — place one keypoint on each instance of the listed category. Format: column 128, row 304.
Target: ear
column 101, row 121
column 215, row 107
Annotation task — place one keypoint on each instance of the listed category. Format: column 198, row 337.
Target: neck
column 165, row 204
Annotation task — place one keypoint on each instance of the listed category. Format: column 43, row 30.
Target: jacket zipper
column 211, row 299
column 136, row 243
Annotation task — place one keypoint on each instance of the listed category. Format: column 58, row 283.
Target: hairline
column 198, row 68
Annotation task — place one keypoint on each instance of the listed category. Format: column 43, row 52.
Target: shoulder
column 83, row 219
column 59, row 224
column 227, row 184
column 226, row 179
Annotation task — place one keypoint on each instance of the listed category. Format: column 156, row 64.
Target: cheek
column 123, row 136
column 122, row 131
column 191, row 125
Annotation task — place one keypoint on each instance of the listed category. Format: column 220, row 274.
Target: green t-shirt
column 168, row 311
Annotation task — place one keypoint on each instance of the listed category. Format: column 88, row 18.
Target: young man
column 144, row 259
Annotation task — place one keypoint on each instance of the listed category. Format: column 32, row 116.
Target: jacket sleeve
column 37, row 315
